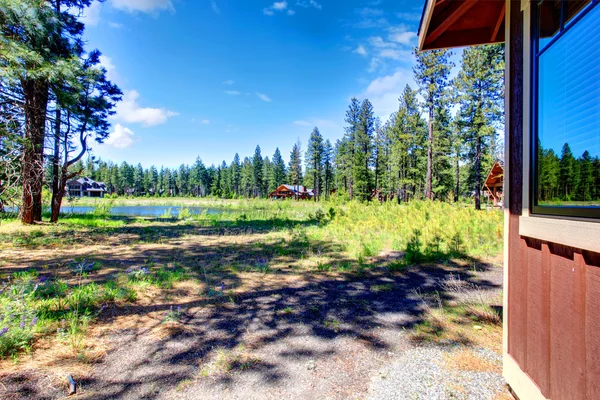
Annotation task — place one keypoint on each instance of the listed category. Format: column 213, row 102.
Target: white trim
column 521, row 383
column 570, row 231
column 574, row 233
column 425, row 22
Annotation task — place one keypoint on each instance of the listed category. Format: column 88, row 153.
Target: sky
column 210, row 78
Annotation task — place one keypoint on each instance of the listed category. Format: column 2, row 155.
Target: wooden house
column 85, row 187
column 494, row 184
column 297, row 192
column 551, row 307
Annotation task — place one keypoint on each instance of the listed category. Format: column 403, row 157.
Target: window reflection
column 568, row 127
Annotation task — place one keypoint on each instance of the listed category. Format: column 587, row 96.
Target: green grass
column 34, row 306
column 322, row 237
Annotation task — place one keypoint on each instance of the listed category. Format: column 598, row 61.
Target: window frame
column 587, row 212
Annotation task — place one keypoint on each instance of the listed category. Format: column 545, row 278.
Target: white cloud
column 374, row 64
column 146, row 6
column 128, row 110
column 369, row 12
column 377, row 41
column 318, row 122
column 396, row 54
column 91, row 14
column 277, row 6
column 309, row 3
column 263, row 97
column 111, row 70
column 114, row 25
column 233, row 92
column 302, row 123
column 215, row 7
column 384, row 91
column 402, row 35
column 228, row 82
column 205, row 121
column 408, row 16
column 120, row 138
column 361, row 50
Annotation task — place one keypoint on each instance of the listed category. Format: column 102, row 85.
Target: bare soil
column 290, row 332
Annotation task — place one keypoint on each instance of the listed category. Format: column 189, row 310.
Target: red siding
column 554, row 318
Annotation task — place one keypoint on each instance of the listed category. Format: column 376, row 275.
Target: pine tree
column 328, row 168
column 295, row 168
column 348, row 146
column 278, row 170
column 267, row 176
column 138, row 179
column 314, row 162
column 236, row 170
column 480, row 88
column 257, row 167
column 363, row 152
column 432, row 75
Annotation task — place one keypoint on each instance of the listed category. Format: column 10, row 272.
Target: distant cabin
column 292, row 191
column 494, row 184
column 85, row 187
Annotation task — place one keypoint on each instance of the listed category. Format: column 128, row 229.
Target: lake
column 143, row 211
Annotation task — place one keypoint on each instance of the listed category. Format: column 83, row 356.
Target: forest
column 55, row 100
column 567, row 178
column 421, row 151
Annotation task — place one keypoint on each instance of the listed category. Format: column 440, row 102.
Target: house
column 85, row 187
column 494, row 184
column 551, row 345
column 292, row 191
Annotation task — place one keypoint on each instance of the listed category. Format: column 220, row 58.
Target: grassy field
column 62, row 285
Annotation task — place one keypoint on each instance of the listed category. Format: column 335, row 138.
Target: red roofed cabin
column 297, row 192
column 494, row 184
column 551, row 341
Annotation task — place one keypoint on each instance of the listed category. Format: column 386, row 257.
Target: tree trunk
column 56, row 170
column 478, row 174
column 57, row 196
column 428, row 189
column 36, row 101
column 457, row 181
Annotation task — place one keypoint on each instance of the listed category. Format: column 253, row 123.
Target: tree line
column 567, row 178
column 55, row 98
column 439, row 144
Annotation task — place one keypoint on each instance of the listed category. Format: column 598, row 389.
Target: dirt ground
column 289, row 332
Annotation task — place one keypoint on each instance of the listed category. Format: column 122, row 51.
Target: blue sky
column 210, row 78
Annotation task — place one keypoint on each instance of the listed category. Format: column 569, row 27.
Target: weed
column 385, row 287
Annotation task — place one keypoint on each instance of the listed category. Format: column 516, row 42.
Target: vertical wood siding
column 554, row 318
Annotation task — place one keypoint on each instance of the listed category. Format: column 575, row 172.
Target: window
column 566, row 109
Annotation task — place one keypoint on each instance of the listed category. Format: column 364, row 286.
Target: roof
column 457, row 23
column 496, row 174
column 88, row 183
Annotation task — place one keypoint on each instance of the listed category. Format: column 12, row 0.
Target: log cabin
column 297, row 192
column 494, row 184
column 551, row 310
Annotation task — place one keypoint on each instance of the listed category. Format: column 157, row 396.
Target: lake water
column 142, row 211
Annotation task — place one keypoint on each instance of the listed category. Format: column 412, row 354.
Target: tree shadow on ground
column 258, row 319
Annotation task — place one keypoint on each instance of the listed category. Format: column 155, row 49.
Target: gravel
column 420, row 374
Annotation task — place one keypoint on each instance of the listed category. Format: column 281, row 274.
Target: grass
column 62, row 301
column 469, row 318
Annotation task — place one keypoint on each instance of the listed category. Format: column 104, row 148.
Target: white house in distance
column 85, row 187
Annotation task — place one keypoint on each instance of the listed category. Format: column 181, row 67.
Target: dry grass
column 468, row 319
column 466, row 359
column 226, row 361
